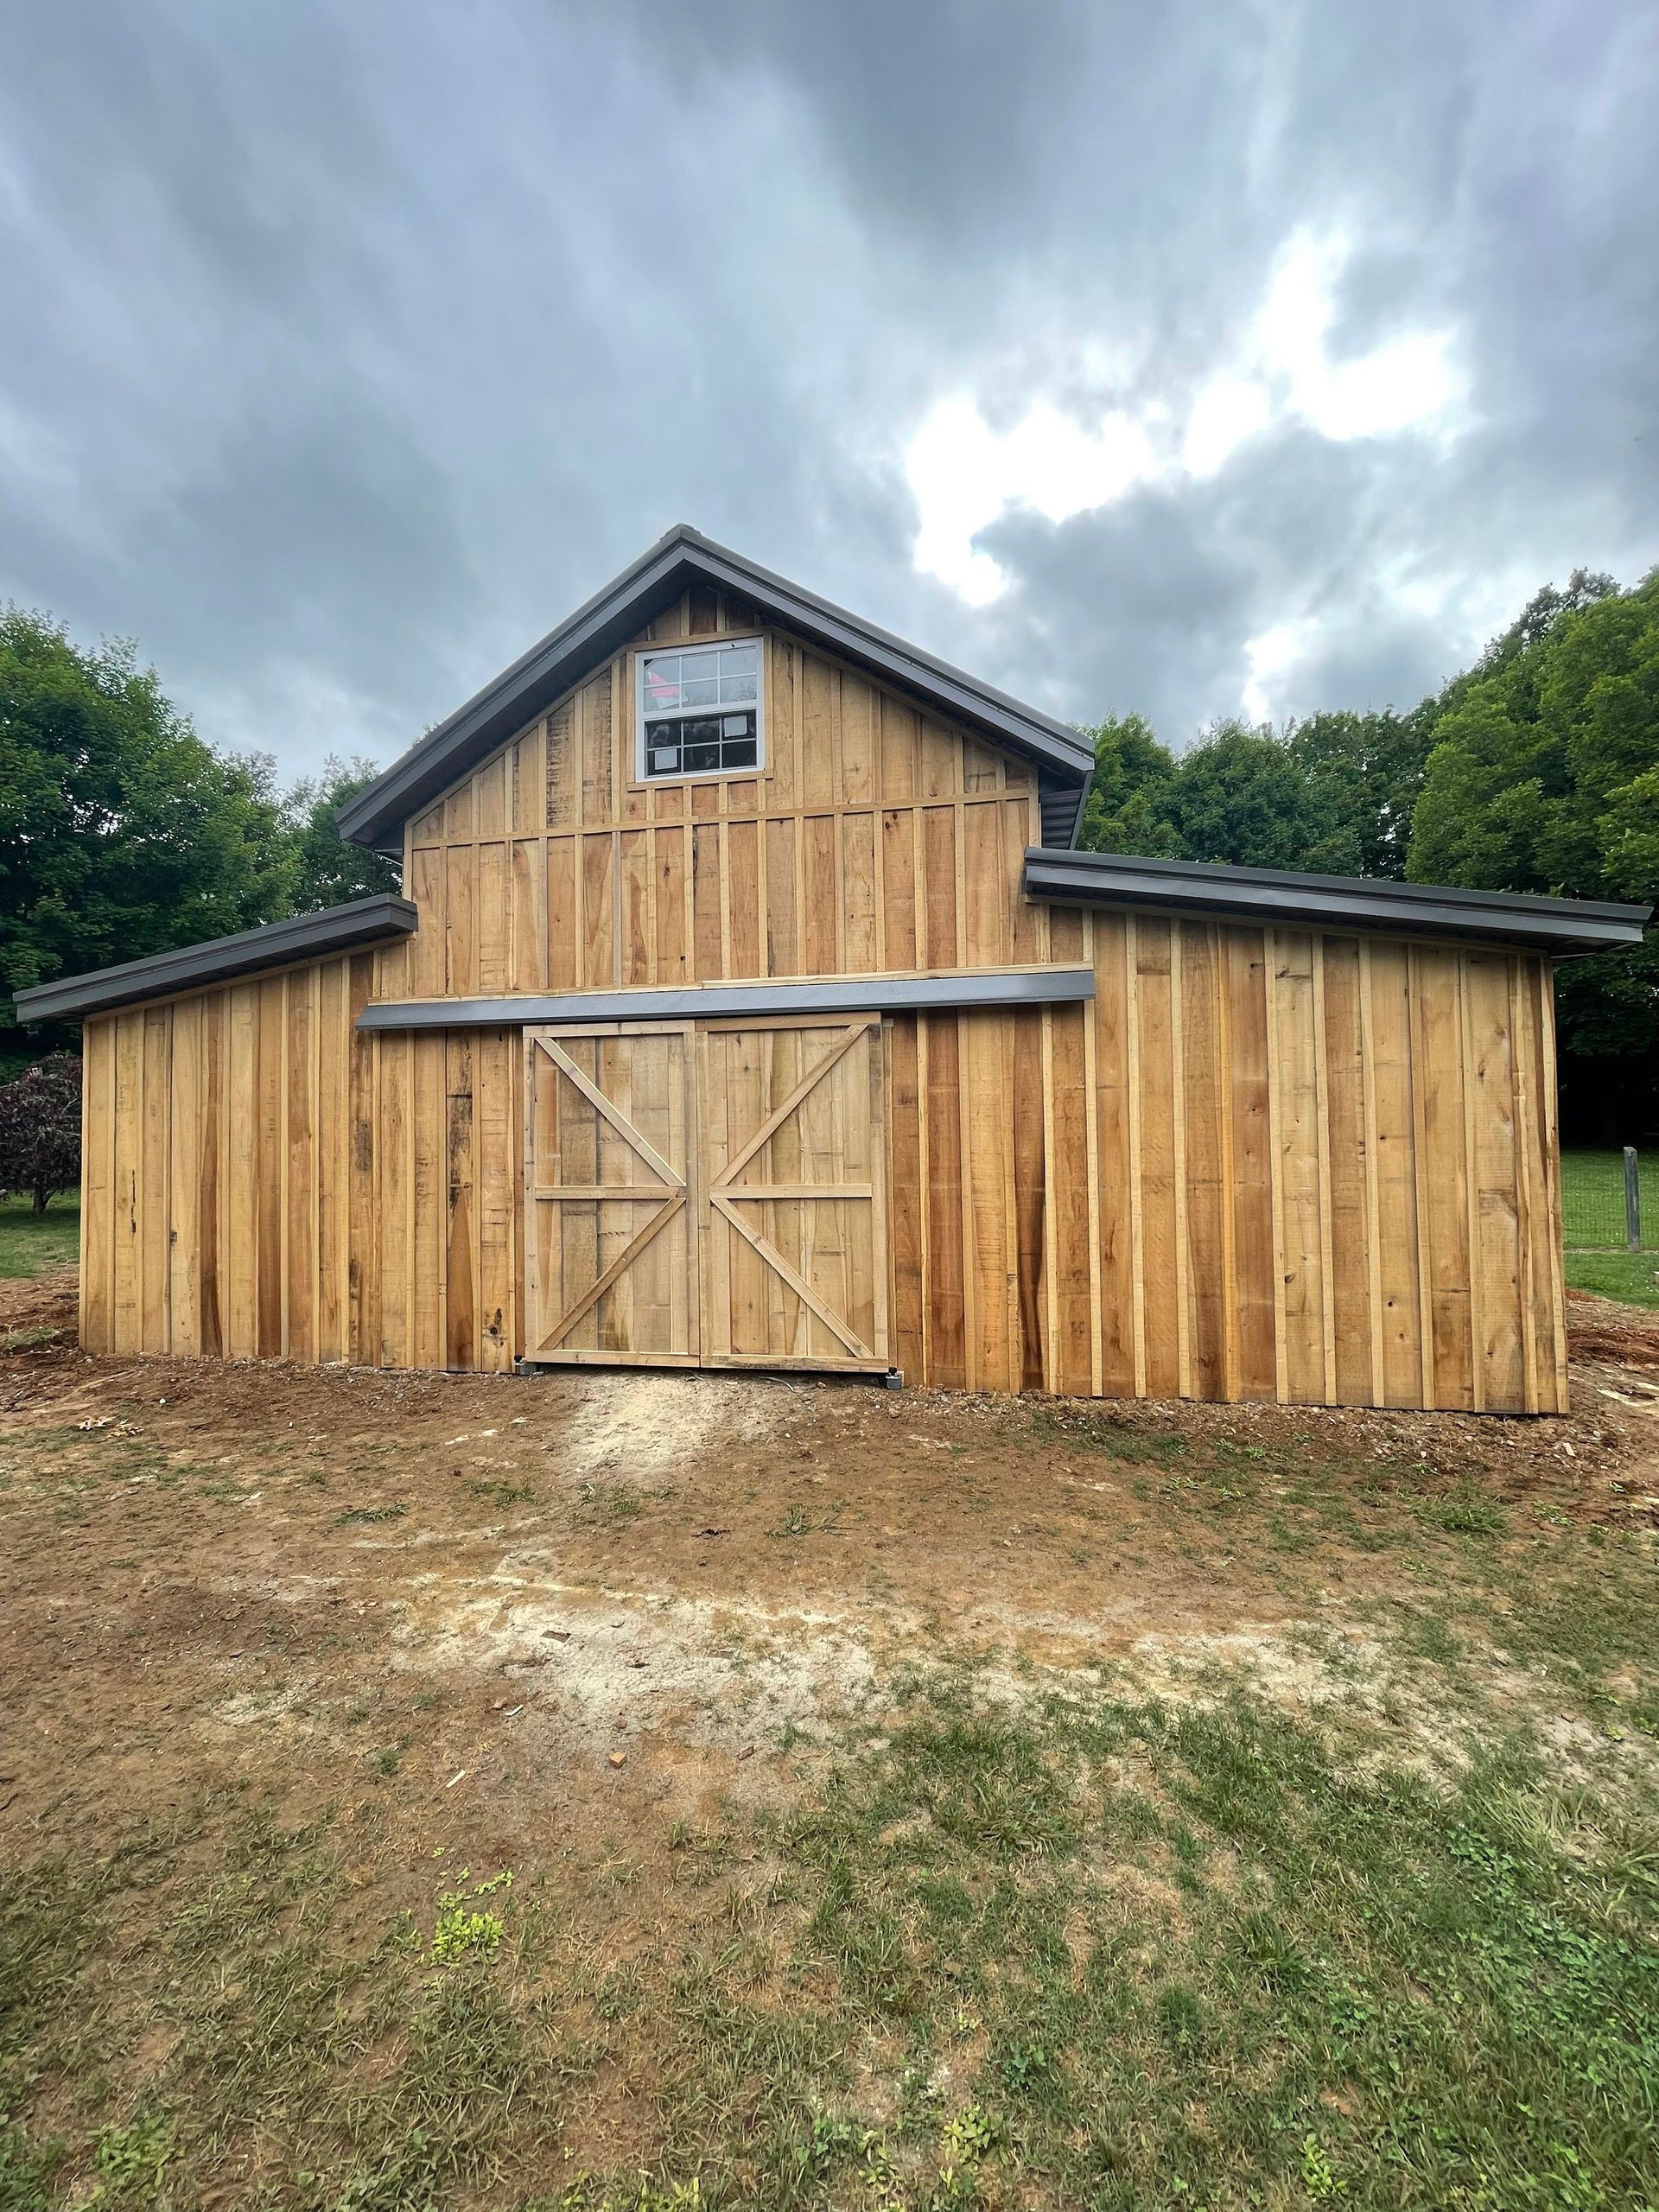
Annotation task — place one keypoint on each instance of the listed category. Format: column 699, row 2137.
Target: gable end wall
column 879, row 840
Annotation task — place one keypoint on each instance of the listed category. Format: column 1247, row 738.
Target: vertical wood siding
column 878, row 840
column 1264, row 1164
column 264, row 1180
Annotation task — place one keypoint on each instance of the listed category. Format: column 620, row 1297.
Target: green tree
column 327, row 871
column 1363, row 773
column 121, row 833
column 1240, row 795
column 1126, row 810
column 1544, row 776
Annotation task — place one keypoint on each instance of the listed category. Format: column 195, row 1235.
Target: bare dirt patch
column 492, row 1587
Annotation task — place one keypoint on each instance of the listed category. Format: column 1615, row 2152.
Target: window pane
column 695, row 693
column 744, row 659
column 702, row 744
column 661, row 682
column 698, row 668
column 736, row 687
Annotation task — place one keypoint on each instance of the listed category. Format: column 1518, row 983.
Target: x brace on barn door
column 759, row 1148
column 725, row 1192
column 609, row 1115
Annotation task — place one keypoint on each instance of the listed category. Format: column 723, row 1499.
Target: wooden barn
column 748, row 1005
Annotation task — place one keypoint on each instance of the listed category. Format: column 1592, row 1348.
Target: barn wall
column 1271, row 1165
column 1261, row 1165
column 262, row 1180
column 879, row 840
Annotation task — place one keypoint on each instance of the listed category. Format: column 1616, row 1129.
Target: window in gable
column 698, row 711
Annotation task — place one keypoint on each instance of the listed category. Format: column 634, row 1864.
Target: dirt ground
column 595, row 1592
column 557, row 1623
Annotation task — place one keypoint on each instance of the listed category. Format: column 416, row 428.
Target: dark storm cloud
column 342, row 350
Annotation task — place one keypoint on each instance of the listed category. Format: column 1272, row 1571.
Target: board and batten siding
column 264, row 1180
column 1270, row 1164
column 1262, row 1164
column 879, row 840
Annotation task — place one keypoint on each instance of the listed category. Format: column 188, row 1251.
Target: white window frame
column 644, row 653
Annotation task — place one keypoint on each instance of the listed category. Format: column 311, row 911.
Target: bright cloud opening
column 964, row 473
column 1407, row 383
column 1272, row 653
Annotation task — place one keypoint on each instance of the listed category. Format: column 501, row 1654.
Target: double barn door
column 707, row 1194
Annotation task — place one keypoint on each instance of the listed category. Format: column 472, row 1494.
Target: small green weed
column 1318, row 2178
column 26, row 1339
column 131, row 2162
column 460, row 1930
column 1463, row 1511
column 504, row 1494
column 797, row 1522
column 607, row 1505
column 366, row 1515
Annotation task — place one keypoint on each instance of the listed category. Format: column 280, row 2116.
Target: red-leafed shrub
column 40, row 1130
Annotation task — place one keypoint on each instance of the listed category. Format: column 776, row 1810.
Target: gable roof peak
column 621, row 608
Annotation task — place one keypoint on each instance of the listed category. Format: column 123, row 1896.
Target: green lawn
column 1593, row 1200
column 1097, row 1949
column 1632, row 1277
column 30, row 1242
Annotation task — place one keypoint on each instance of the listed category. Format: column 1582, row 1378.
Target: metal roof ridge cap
column 928, row 663
column 684, row 543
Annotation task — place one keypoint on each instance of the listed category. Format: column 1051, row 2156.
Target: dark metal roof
column 1060, row 802
column 1563, row 926
column 302, row 937
column 827, row 995
column 618, row 612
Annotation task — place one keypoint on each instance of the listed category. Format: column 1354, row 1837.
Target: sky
column 1236, row 357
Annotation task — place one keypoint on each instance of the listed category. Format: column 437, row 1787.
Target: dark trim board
column 1566, row 927
column 336, row 929
column 375, row 816
column 813, row 995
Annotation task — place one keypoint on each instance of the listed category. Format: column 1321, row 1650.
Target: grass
column 30, row 1242
column 988, row 1944
column 1630, row 1277
column 1593, row 1198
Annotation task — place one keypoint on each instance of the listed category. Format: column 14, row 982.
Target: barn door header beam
column 848, row 995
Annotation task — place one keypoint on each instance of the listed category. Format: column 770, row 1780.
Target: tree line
column 122, row 832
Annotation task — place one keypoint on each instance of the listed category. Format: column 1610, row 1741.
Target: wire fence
column 1610, row 1201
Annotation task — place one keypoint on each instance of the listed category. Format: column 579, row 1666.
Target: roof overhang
column 375, row 816
column 1566, row 927
column 302, row 937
